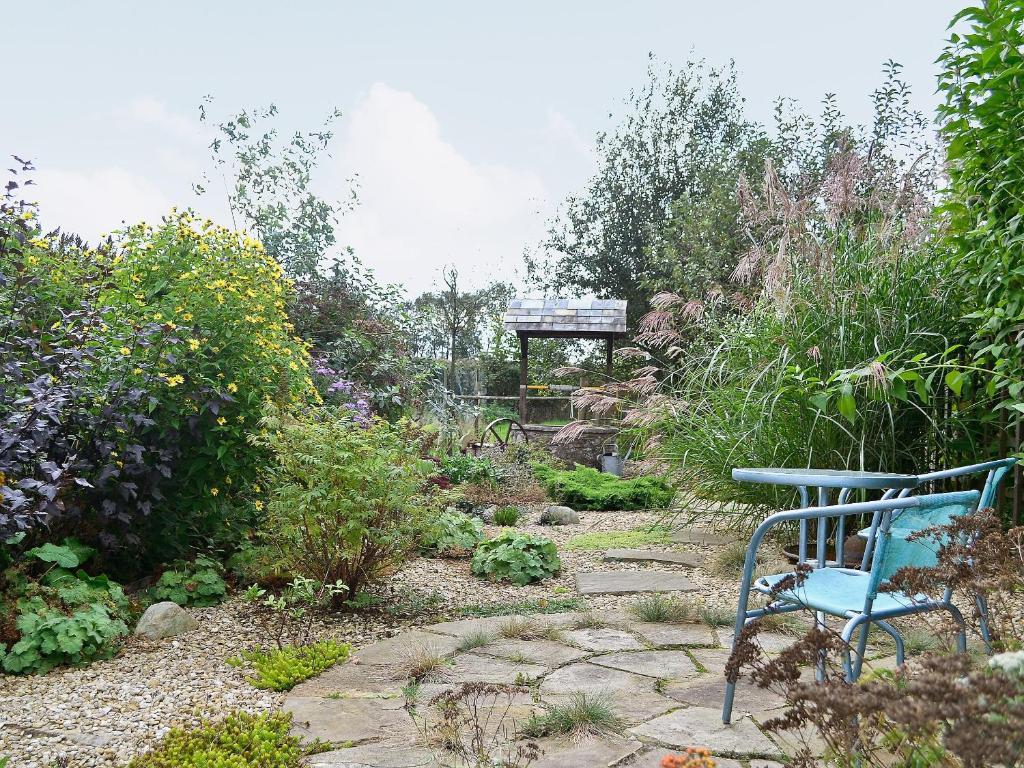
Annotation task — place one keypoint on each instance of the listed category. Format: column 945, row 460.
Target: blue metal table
column 825, row 481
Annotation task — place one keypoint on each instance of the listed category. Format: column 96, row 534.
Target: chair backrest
column 893, row 551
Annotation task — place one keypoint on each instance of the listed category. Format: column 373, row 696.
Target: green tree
column 268, row 181
column 681, row 148
column 983, row 85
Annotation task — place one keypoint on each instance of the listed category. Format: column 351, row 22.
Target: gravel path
column 112, row 710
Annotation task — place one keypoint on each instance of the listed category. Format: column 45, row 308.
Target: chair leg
column 895, row 635
column 961, row 636
column 819, row 672
column 850, row 669
column 986, row 634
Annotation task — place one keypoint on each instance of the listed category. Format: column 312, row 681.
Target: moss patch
column 598, row 540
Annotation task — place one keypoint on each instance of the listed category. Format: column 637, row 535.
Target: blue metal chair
column 854, row 594
column 994, row 471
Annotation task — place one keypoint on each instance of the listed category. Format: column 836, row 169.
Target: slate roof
column 585, row 316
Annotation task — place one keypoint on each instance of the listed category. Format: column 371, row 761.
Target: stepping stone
column 675, row 634
column 596, row 751
column 671, row 665
column 701, row 537
column 630, row 582
column 547, row 653
column 650, row 556
column 603, row 639
column 703, row 726
column 341, row 720
column 464, row 627
column 771, row 642
column 355, row 680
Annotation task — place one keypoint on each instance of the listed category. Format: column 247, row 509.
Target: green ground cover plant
column 521, row 558
column 240, row 740
column 466, row 468
column 525, row 607
column 506, row 516
column 452, row 534
column 587, row 488
column 281, row 669
column 62, row 615
column 199, row 583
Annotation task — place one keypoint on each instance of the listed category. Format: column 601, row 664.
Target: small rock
column 165, row 619
column 556, row 515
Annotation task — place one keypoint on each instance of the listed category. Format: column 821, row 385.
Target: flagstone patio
column 664, row 681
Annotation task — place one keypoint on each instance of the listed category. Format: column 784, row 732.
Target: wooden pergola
column 563, row 319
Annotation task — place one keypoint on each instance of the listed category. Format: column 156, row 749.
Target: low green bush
column 587, row 488
column 521, row 558
column 199, row 584
column 507, row 516
column 62, row 616
column 466, row 468
column 453, row 534
column 282, row 669
column 240, row 740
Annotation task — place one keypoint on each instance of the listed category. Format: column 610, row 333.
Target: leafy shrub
column 78, row 440
column 62, row 616
column 452, row 534
column 287, row 617
column 598, row 540
column 507, row 516
column 281, row 669
column 587, row 488
column 230, row 350
column 240, row 740
column 517, row 557
column 466, row 468
column 345, row 501
column 199, row 583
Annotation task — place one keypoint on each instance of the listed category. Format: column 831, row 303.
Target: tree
column 268, row 183
column 681, row 148
column 453, row 324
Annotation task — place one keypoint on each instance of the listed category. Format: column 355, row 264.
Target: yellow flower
column 193, row 344
column 137, row 371
column 293, row 366
column 187, row 316
column 125, row 351
column 222, row 421
column 173, row 381
column 214, row 491
column 158, row 316
column 232, row 387
column 258, row 504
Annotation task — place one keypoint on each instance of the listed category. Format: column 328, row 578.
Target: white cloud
column 563, row 130
column 91, row 203
column 423, row 204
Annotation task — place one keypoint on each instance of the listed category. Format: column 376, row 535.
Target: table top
column 824, row 478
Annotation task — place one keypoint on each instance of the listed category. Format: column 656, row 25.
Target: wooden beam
column 608, row 357
column 524, row 357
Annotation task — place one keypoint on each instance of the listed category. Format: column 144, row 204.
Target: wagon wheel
column 502, row 437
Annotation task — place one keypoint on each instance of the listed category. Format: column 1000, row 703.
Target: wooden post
column 524, row 355
column 608, row 358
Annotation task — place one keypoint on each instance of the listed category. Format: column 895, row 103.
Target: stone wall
column 585, row 449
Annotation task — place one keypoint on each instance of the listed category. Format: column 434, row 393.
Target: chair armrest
column 970, row 469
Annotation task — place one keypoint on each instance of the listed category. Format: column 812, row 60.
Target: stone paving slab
column 344, row 720
column 652, row 759
column 462, row 627
column 703, row 727
column 630, row 696
column 471, row 668
column 710, row 688
column 602, row 639
column 665, row 665
column 652, row 556
column 702, row 538
column 675, row 634
column 384, row 754
column 590, row 751
column 397, row 649
column 351, row 678
column 547, row 653
column 632, row 582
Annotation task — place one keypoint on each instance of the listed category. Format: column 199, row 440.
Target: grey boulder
column 165, row 619
column 556, row 515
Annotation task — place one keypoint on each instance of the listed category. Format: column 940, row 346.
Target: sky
column 466, row 124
